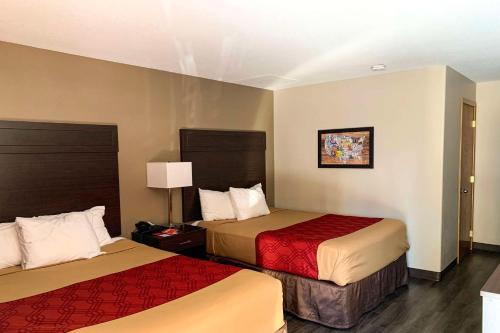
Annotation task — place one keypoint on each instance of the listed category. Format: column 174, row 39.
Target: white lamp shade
column 169, row 174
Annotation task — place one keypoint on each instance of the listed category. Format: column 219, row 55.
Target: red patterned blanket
column 293, row 249
column 110, row 297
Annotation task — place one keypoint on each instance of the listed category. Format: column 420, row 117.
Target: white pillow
column 248, row 202
column 60, row 239
column 95, row 215
column 10, row 253
column 95, row 218
column 216, row 205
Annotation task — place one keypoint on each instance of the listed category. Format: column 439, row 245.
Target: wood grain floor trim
column 430, row 275
column 424, row 274
column 447, row 269
column 486, row 247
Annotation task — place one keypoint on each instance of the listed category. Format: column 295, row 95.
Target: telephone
column 145, row 227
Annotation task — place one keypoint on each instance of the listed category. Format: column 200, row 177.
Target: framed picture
column 346, row 148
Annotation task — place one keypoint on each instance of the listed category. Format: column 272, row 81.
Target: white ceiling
column 266, row 43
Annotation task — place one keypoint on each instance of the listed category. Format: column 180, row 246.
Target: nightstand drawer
column 183, row 241
column 189, row 240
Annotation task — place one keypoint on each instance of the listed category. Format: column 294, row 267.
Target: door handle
column 465, row 190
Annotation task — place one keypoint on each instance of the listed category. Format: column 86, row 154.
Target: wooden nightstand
column 189, row 241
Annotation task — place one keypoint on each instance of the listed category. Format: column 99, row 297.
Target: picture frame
column 346, row 148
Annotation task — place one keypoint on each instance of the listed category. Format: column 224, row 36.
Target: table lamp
column 169, row 175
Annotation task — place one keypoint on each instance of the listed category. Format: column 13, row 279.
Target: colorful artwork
column 346, row 148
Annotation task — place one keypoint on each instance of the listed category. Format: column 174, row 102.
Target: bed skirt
column 331, row 305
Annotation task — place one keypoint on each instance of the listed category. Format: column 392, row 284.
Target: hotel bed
column 54, row 168
column 135, row 288
column 348, row 256
column 333, row 268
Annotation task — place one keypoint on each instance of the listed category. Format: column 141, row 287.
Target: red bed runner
column 111, row 297
column 294, row 249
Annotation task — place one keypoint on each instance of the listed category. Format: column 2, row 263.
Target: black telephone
column 144, row 227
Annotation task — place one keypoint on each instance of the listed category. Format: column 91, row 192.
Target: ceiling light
column 380, row 67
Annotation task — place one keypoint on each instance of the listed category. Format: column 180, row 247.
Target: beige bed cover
column 246, row 301
column 341, row 260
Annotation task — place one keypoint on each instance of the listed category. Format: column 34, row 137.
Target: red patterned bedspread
column 110, row 297
column 293, row 249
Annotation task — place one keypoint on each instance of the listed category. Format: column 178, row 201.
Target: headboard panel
column 51, row 168
column 221, row 159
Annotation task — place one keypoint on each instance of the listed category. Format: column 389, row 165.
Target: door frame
column 473, row 185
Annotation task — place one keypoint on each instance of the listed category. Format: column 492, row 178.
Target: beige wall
column 407, row 111
column 457, row 88
column 487, row 189
column 414, row 114
column 149, row 107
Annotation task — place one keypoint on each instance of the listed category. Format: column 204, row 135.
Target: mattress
column 341, row 260
column 242, row 301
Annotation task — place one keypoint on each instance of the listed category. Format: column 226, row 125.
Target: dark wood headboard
column 221, row 159
column 51, row 168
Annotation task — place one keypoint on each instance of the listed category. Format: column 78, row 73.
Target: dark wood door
column 466, row 209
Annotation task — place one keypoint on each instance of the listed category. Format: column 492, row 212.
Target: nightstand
column 190, row 241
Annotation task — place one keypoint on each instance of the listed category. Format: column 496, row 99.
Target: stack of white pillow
column 48, row 240
column 237, row 203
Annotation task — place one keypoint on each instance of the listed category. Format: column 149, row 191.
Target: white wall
column 487, row 189
column 407, row 111
column 457, row 88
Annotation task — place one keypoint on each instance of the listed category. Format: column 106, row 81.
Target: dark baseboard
column 431, row 275
column 438, row 276
column 486, row 247
column 424, row 274
column 448, row 268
